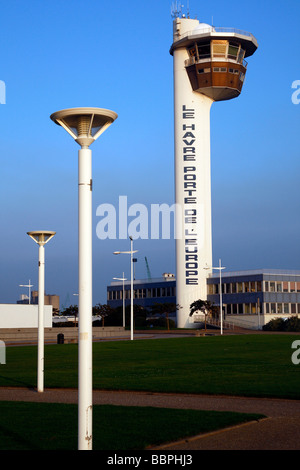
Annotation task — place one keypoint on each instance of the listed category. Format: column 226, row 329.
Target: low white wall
column 23, row 316
column 254, row 322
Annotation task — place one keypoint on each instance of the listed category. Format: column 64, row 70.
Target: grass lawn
column 48, row 426
column 246, row 365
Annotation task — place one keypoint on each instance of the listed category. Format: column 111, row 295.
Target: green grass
column 245, row 365
column 48, row 426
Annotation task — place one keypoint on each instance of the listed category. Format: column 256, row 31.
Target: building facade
column 249, row 298
column 49, row 300
column 146, row 292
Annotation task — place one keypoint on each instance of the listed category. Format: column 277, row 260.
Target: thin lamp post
column 41, row 238
column 122, row 279
column 27, row 285
column 131, row 281
column 85, row 125
column 219, row 268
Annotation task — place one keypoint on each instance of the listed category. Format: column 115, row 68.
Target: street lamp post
column 131, row 282
column 27, row 285
column 85, row 125
column 41, row 237
column 219, row 268
column 122, row 279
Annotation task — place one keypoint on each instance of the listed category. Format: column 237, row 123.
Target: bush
column 281, row 324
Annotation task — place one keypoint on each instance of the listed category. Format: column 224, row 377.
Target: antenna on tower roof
column 176, row 9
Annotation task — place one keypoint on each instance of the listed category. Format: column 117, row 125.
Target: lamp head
column 41, row 237
column 85, row 125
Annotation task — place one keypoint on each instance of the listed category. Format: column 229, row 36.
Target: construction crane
column 148, row 269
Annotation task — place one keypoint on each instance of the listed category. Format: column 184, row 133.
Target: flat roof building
column 49, row 300
column 250, row 299
column 146, row 292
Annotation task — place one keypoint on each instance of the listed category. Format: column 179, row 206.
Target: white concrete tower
column 209, row 65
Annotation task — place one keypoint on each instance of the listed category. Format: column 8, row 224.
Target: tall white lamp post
column 27, row 285
column 131, row 281
column 41, row 237
column 122, row 279
column 219, row 268
column 85, row 125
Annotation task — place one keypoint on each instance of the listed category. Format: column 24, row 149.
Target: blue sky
column 115, row 55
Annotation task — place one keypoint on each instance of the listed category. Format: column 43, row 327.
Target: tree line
column 156, row 315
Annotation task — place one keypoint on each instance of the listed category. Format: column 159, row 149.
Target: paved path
column 280, row 431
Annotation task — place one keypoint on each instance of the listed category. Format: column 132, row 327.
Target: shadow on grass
column 51, row 426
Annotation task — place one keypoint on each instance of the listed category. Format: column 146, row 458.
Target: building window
column 273, row 308
column 242, row 76
column 232, row 52
column 279, row 286
column 192, row 51
column 241, row 56
column 247, row 308
column 266, row 286
column 258, row 286
column 206, row 70
column 241, row 310
column 246, row 287
column 233, row 288
column 219, row 48
column 203, row 51
column 285, row 286
column 240, row 287
column 220, row 69
column 272, row 286
column 279, row 308
column 286, row 308
column 292, row 287
column 228, row 290
column 293, row 308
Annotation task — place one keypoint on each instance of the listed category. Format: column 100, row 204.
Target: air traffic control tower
column 209, row 65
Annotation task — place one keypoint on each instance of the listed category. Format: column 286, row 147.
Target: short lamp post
column 27, row 285
column 123, row 295
column 41, row 237
column 219, row 268
column 131, row 281
column 85, row 125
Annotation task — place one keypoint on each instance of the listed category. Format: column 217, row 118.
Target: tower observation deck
column 209, row 64
column 216, row 63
